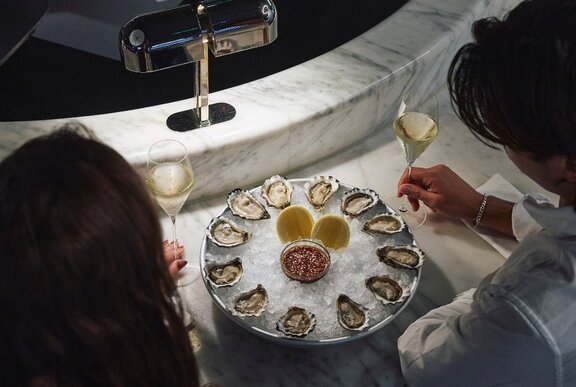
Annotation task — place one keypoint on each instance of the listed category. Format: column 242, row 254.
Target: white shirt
column 518, row 328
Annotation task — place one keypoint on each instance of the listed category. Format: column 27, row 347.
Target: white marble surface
column 309, row 111
column 457, row 260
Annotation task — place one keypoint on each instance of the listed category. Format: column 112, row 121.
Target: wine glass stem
column 404, row 206
column 174, row 238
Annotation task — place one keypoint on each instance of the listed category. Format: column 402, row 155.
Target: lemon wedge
column 293, row 223
column 332, row 230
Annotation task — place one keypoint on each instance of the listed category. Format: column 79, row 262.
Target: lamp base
column 189, row 120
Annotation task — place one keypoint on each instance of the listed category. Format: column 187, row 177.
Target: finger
column 176, row 266
column 414, row 203
column 418, row 176
column 169, row 249
column 404, row 179
column 170, row 255
column 411, row 190
column 415, row 192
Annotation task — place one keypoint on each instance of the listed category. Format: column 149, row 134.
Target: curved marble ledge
column 298, row 116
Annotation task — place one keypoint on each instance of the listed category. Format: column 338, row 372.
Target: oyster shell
column 319, row 189
column 386, row 289
column 245, row 205
column 225, row 274
column 226, row 233
column 251, row 303
column 277, row 191
column 296, row 322
column 384, row 223
column 404, row 257
column 351, row 315
column 357, row 201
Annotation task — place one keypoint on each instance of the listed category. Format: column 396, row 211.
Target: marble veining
column 310, row 111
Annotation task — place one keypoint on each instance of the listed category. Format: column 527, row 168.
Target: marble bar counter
column 457, row 259
column 296, row 117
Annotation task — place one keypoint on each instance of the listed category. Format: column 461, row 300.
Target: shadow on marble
column 252, row 360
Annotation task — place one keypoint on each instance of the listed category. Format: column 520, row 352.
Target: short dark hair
column 515, row 85
column 87, row 294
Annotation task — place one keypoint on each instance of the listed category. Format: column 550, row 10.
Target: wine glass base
column 414, row 219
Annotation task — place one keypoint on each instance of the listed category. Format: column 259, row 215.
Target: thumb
column 411, row 190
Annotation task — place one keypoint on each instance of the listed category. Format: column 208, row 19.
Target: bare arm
column 444, row 191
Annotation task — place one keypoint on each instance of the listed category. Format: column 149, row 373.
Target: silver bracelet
column 481, row 210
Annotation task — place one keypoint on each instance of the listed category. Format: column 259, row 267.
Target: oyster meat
column 319, row 189
column 386, row 289
column 404, row 257
column 226, row 274
column 251, row 303
column 357, row 201
column 296, row 322
column 351, row 315
column 245, row 205
column 226, row 233
column 384, row 223
column 277, row 191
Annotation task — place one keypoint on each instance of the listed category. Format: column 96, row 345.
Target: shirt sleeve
column 523, row 224
column 469, row 343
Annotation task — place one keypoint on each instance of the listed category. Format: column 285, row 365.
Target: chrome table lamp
column 181, row 35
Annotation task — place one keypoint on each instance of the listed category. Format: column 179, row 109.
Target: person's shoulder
column 540, row 262
column 540, row 268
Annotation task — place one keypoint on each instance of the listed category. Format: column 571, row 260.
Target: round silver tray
column 349, row 268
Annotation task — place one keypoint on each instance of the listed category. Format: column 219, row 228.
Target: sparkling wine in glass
column 170, row 179
column 416, row 126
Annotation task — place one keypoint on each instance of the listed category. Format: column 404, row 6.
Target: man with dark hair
column 514, row 86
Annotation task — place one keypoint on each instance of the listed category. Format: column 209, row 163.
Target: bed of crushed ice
column 349, row 268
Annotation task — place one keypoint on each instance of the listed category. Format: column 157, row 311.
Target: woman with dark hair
column 86, row 293
column 514, row 86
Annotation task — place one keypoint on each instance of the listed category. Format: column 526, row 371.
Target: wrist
column 481, row 210
column 497, row 214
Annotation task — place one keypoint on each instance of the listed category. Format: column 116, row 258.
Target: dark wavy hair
column 516, row 84
column 86, row 294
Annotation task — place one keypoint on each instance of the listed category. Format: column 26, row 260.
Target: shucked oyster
column 357, row 201
column 251, row 303
column 277, row 191
column 319, row 189
column 296, row 322
column 386, row 289
column 351, row 315
column 404, row 257
column 384, row 223
column 226, row 233
column 245, row 205
column 226, row 274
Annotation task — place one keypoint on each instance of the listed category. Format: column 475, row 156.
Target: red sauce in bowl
column 305, row 261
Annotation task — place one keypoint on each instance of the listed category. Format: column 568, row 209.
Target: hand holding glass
column 170, row 179
column 416, row 126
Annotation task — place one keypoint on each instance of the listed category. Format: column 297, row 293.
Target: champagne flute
column 170, row 179
column 416, row 126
